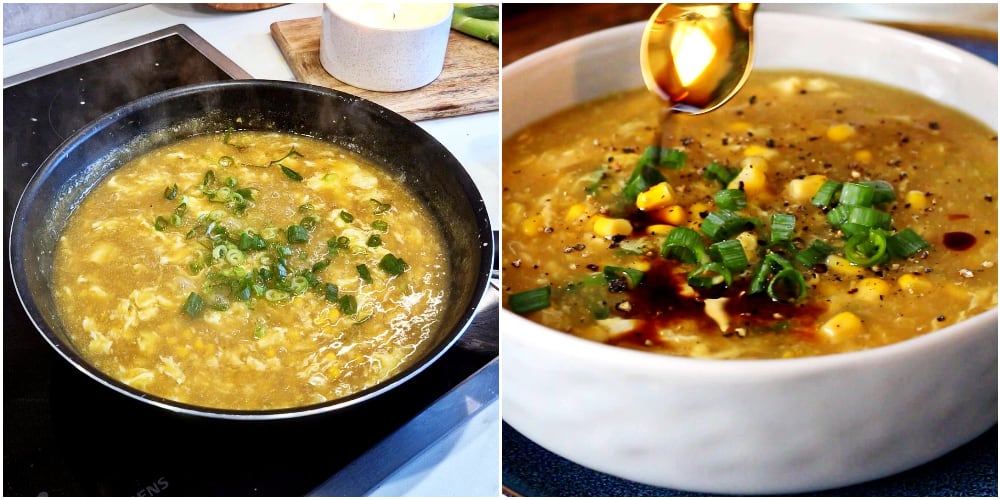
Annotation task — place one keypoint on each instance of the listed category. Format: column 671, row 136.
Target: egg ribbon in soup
column 250, row 270
column 813, row 214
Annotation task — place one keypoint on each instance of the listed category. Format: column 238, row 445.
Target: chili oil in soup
column 813, row 214
column 250, row 270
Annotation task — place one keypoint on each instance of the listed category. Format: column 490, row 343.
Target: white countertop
column 467, row 461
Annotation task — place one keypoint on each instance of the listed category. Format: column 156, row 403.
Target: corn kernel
column 840, row 132
column 575, row 212
column 695, row 211
column 913, row 284
column 533, row 225
column 872, row 289
column 659, row 229
column 802, row 190
column 333, row 371
column 333, row 314
column 674, row 215
column 841, row 266
column 916, row 200
column 659, row 196
column 607, row 227
column 640, row 265
column 752, row 179
column 755, row 150
column 863, row 156
column 739, row 126
column 843, row 325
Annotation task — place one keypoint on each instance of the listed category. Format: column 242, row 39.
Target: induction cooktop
column 65, row 434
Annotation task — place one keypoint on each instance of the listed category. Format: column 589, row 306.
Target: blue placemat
column 530, row 470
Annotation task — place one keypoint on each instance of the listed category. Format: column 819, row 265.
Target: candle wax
column 401, row 16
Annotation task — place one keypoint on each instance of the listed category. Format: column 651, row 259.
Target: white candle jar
column 385, row 47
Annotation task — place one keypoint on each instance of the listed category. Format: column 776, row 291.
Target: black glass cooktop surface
column 64, row 434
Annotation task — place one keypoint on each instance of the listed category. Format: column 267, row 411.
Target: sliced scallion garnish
column 731, row 199
column 193, row 304
column 723, row 224
column 631, row 276
column 685, row 244
column 782, row 227
column 825, row 198
column 291, row 174
column 710, row 274
column 906, row 243
column 530, row 300
column 731, row 254
column 866, row 249
column 392, row 264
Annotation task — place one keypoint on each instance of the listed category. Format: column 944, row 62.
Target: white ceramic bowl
column 751, row 427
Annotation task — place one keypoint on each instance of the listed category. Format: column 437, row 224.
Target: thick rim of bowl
column 67, row 352
column 982, row 325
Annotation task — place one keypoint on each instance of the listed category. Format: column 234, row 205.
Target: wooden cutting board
column 469, row 82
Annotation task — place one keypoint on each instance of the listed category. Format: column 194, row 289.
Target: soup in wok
column 250, row 270
column 813, row 214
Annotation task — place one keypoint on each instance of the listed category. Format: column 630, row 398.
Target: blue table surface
column 970, row 470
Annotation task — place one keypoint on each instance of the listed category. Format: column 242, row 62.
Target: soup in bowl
column 659, row 269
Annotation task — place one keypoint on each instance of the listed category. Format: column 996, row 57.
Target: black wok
column 391, row 141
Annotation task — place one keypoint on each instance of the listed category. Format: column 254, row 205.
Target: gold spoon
column 697, row 56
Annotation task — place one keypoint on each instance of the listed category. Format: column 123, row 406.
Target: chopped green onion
column 380, row 225
column 762, row 274
column 291, row 174
column 530, row 300
column 631, row 276
column 709, row 275
column 906, row 243
column 346, row 216
column 309, row 222
column 685, row 245
column 869, row 217
column 230, row 182
column 723, row 224
column 672, row 158
column 298, row 284
column 226, row 161
column 193, row 304
column 335, row 245
column 730, row 253
column 867, row 249
column 392, row 264
column 721, row 173
column 291, row 153
column 731, row 199
column 272, row 295
column 209, row 179
column 365, row 274
column 838, row 215
column 643, row 178
column 181, row 209
column 380, row 208
column 235, row 257
column 884, row 193
column 297, row 234
column 170, row 192
column 788, row 285
column 814, row 254
column 348, row 304
column 331, row 293
column 319, row 266
column 374, row 241
column 175, row 220
column 825, row 197
column 782, row 227
column 857, row 194
column 160, row 223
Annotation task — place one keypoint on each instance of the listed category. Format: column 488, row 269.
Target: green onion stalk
column 478, row 20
